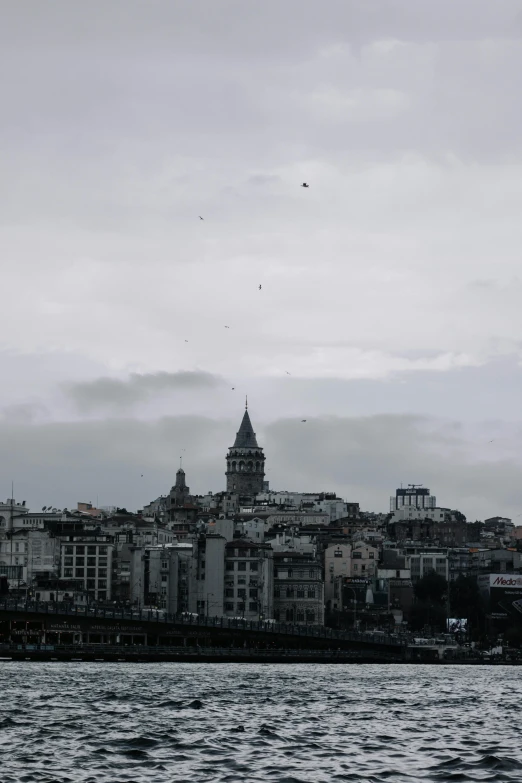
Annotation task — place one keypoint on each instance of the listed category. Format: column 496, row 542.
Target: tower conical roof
column 246, row 437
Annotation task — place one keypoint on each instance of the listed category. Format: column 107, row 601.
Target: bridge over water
column 38, row 625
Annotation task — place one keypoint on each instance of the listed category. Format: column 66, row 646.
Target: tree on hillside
column 432, row 588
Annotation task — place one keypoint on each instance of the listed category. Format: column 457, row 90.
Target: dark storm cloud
column 363, row 459
column 115, row 393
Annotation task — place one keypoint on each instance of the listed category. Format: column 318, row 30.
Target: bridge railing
column 189, row 619
column 136, row 650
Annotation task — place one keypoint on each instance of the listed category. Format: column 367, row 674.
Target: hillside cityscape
column 254, row 553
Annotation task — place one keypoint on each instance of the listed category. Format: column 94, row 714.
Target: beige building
column 337, row 564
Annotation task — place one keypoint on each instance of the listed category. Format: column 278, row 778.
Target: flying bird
column 303, row 421
column 305, row 185
column 201, row 217
column 287, row 372
column 260, row 287
column 227, row 327
column 233, row 388
column 186, row 341
column 142, row 475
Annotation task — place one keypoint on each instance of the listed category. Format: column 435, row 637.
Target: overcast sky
column 390, row 312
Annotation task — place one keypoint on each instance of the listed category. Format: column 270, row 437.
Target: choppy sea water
column 99, row 722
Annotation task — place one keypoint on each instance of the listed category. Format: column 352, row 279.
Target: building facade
column 298, row 589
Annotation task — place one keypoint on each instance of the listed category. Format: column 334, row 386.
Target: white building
column 413, row 495
column 425, row 562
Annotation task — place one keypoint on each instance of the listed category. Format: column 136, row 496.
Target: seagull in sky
column 287, row 372
column 305, row 185
column 201, row 217
column 303, row 421
column 227, row 327
column 186, row 341
column 260, row 287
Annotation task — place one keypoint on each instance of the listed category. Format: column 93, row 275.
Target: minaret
column 245, row 461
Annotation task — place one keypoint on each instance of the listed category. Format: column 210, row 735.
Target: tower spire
column 246, row 402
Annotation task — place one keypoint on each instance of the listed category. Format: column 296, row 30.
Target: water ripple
column 137, row 723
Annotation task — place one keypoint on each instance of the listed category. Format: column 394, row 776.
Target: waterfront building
column 298, row 589
column 249, row 580
column 88, row 559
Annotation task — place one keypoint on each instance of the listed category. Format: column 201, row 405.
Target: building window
column 310, row 616
column 355, row 567
column 91, row 572
column 91, row 561
column 103, row 572
column 312, row 573
column 69, row 550
column 91, row 550
column 80, row 572
column 253, row 553
column 80, row 561
column 254, row 566
column 241, row 566
column 252, row 606
column 67, row 572
column 289, row 615
column 277, row 592
column 164, row 577
column 300, row 616
column 289, row 592
column 68, row 561
column 241, row 593
column 311, row 592
column 300, row 592
column 230, row 566
column 253, row 592
column 229, row 607
column 229, row 592
column 371, row 555
column 80, row 550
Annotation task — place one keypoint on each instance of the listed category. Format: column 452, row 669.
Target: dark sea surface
column 98, row 722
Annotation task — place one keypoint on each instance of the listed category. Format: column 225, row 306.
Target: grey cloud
column 116, row 393
column 363, row 459
column 24, row 413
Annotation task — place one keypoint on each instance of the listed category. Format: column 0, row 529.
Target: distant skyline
column 389, row 315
